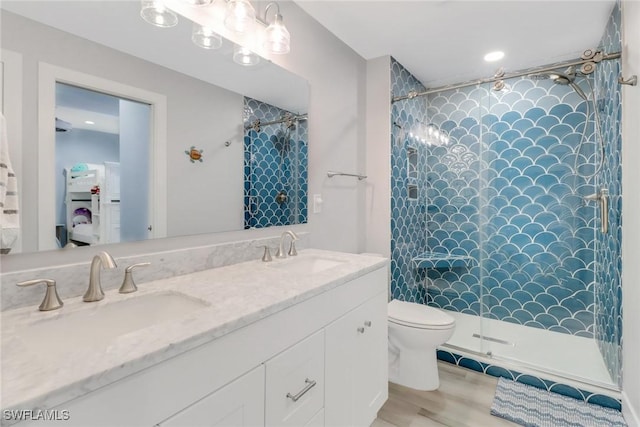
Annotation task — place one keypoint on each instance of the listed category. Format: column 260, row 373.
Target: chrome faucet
column 95, row 293
column 292, row 248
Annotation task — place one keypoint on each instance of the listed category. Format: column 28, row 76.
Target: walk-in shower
column 497, row 224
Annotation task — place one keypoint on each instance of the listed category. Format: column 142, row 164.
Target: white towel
column 9, row 218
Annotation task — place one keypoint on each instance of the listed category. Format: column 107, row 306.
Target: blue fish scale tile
column 506, row 192
column 273, row 162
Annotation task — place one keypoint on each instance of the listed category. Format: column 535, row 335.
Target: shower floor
column 563, row 355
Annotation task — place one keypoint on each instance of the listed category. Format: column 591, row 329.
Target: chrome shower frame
column 288, row 119
column 520, row 73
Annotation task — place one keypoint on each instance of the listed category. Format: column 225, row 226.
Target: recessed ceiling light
column 494, row 56
column 89, row 122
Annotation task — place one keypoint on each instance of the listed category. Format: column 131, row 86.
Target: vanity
column 300, row 341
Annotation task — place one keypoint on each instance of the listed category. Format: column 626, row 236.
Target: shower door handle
column 604, row 210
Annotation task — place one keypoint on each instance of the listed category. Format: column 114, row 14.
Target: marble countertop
column 231, row 297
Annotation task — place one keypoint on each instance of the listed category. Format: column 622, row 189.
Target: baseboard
column 629, row 412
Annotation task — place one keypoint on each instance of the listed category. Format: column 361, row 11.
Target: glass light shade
column 277, row 37
column 205, row 37
column 156, row 13
column 243, row 56
column 240, row 16
column 199, row 2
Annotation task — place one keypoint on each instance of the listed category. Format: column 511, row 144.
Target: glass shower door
column 453, row 212
column 538, row 233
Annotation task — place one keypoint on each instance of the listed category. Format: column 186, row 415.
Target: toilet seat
column 418, row 316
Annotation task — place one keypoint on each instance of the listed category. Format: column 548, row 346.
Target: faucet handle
column 292, row 248
column 51, row 299
column 266, row 256
column 128, row 285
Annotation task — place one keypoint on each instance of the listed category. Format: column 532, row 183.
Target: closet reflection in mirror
column 99, row 139
column 196, row 97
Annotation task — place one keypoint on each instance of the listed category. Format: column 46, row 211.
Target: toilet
column 415, row 331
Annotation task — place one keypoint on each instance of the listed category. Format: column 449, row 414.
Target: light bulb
column 205, row 37
column 240, row 16
column 198, row 2
column 156, row 13
column 278, row 39
column 244, row 56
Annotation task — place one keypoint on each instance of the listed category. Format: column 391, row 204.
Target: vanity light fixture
column 277, row 38
column 240, row 16
column 494, row 56
column 156, row 13
column 236, row 20
column 244, row 56
column 205, row 37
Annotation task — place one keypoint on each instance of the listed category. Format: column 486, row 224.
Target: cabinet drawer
column 239, row 404
column 295, row 383
column 317, row 420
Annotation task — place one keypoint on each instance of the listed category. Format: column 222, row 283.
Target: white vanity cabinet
column 321, row 361
column 295, row 383
column 239, row 404
column 356, row 364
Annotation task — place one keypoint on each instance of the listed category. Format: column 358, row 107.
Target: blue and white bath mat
column 532, row 407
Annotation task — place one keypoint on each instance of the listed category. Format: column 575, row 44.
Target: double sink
column 94, row 327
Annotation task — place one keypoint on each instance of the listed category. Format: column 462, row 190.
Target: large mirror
column 154, row 136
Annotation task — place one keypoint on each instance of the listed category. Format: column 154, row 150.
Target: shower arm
column 520, row 73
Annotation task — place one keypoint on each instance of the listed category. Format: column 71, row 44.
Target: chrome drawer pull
column 367, row 323
column 361, row 330
column 309, row 386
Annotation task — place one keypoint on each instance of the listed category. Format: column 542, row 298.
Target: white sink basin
column 98, row 326
column 307, row 264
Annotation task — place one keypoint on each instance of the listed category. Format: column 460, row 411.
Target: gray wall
column 134, row 170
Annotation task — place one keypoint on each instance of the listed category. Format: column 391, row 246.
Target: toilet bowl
column 415, row 331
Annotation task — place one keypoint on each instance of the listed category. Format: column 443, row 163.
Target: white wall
column 631, row 214
column 378, row 194
column 336, row 75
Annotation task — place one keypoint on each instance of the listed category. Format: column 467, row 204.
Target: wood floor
column 463, row 399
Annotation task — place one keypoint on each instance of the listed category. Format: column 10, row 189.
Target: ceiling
column 86, row 109
column 443, row 42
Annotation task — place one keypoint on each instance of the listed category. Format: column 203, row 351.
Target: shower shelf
column 441, row 260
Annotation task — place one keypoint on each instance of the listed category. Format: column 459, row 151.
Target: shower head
column 568, row 78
